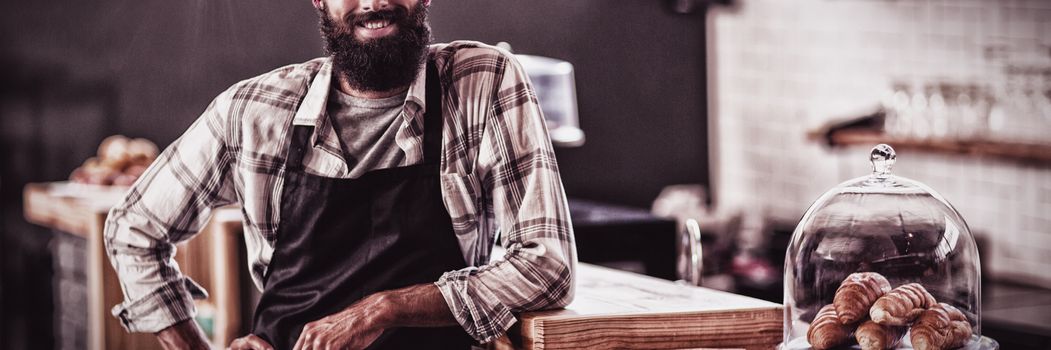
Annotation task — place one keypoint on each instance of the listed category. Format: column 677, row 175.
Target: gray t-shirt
column 367, row 128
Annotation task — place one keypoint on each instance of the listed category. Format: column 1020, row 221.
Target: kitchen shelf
column 867, row 136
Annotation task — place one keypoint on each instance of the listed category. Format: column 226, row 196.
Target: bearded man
column 373, row 183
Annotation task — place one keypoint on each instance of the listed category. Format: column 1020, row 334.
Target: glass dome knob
column 882, row 158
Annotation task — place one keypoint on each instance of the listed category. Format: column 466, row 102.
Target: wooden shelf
column 1020, row 152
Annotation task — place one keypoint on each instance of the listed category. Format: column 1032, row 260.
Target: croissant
column 825, row 331
column 856, row 295
column 941, row 327
column 901, row 305
column 874, row 336
column 961, row 327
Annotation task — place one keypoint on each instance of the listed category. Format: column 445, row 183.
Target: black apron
column 340, row 240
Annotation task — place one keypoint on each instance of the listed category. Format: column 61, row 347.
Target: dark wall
column 166, row 59
column 640, row 85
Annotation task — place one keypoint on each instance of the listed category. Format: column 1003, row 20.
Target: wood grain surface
column 620, row 310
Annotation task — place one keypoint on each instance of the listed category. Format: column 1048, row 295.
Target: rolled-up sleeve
column 521, row 182
column 169, row 204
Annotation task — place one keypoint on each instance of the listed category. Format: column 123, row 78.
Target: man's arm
column 183, row 335
column 357, row 326
column 421, row 305
column 516, row 166
column 168, row 204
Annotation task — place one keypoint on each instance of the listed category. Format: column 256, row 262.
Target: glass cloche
column 883, row 262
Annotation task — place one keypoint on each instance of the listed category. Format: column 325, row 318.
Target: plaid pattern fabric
column 498, row 174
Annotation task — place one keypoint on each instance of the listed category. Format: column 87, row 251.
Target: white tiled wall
column 779, row 68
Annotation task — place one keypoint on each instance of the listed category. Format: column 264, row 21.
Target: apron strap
column 432, row 117
column 298, row 148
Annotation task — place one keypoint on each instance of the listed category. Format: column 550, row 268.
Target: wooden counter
column 210, row 259
column 612, row 309
column 622, row 310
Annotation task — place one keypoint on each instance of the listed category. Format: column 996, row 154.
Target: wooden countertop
column 622, row 310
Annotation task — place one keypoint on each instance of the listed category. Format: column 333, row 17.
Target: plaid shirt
column 498, row 174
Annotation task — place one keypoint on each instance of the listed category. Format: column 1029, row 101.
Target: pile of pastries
column 120, row 161
column 866, row 309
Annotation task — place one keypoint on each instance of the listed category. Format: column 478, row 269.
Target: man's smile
column 376, row 28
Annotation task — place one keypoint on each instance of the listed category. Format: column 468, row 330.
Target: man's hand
column 249, row 342
column 357, row 326
column 183, row 335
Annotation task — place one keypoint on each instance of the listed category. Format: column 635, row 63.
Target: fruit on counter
column 857, row 293
column 874, row 336
column 940, row 327
column 825, row 331
column 120, row 161
column 901, row 305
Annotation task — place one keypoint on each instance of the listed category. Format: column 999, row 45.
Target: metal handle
column 695, row 257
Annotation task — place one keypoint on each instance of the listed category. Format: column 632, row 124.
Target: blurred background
column 736, row 113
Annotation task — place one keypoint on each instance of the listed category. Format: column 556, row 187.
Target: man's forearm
column 183, row 335
column 421, row 305
column 362, row 323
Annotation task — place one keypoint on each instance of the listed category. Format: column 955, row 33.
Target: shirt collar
column 312, row 111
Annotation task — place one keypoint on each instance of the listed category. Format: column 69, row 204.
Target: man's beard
column 378, row 64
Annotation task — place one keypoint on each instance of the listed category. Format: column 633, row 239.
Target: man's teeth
column 376, row 24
